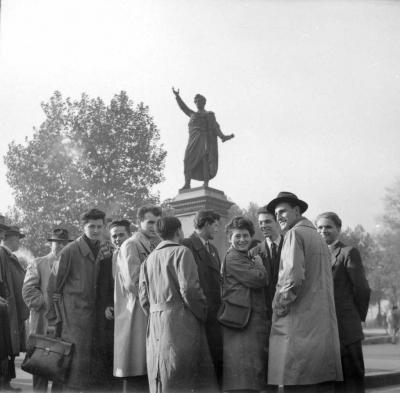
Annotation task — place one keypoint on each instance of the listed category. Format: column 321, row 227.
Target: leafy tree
column 84, row 154
column 372, row 260
column 389, row 241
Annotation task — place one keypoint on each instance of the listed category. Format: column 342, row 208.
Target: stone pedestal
column 188, row 202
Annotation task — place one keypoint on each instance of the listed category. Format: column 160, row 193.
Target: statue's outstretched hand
column 227, row 137
column 176, row 92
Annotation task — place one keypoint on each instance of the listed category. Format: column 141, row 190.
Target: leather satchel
column 48, row 357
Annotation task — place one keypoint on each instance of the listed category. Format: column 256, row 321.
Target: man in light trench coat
column 304, row 349
column 130, row 321
column 178, row 357
column 34, row 291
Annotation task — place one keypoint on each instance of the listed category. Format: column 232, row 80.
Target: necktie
column 274, row 253
column 207, row 244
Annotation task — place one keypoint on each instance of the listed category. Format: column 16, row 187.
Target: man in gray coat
column 34, row 290
column 304, row 349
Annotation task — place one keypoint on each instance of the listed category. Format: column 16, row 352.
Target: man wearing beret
column 304, row 349
column 34, row 290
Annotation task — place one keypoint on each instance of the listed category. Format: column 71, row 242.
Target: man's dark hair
column 331, row 216
column 205, row 216
column 264, row 210
column 92, row 214
column 240, row 223
column 156, row 210
column 120, row 223
column 167, row 226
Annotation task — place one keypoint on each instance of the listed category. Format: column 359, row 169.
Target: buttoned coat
column 304, row 343
column 77, row 275
column 208, row 267
column 34, row 291
column 130, row 320
column 12, row 277
column 178, row 358
column 351, row 291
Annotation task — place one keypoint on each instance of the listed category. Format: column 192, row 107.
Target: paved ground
column 388, row 389
column 379, row 359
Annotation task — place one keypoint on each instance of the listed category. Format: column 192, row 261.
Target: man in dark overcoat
column 352, row 294
column 76, row 297
column 11, row 279
column 208, row 265
column 270, row 252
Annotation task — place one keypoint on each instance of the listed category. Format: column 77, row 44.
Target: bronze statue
column 201, row 155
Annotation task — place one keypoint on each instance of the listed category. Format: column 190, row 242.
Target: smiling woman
column 244, row 281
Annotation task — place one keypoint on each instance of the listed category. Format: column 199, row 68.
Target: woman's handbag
column 234, row 312
column 233, row 315
column 48, row 357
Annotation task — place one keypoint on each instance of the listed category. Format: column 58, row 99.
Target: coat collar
column 210, row 257
column 9, row 252
column 13, row 258
column 166, row 243
column 197, row 243
column 84, row 247
column 336, row 249
column 303, row 222
column 144, row 240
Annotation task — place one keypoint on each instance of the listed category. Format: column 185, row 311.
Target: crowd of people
column 153, row 311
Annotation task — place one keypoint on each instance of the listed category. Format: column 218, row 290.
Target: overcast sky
column 311, row 89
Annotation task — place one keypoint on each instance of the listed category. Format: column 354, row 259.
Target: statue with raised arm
column 201, row 155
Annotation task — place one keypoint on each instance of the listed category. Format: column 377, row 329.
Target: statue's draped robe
column 202, row 144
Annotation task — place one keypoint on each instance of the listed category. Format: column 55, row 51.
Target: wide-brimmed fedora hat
column 3, row 226
column 59, row 235
column 14, row 231
column 285, row 196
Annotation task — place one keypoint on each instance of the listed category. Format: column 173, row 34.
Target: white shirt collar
column 277, row 241
column 332, row 246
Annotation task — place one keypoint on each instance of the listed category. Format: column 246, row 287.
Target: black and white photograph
column 200, row 196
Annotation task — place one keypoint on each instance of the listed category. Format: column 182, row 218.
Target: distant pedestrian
column 304, row 348
column 178, row 358
column 393, row 321
column 11, row 279
column 352, row 294
column 206, row 223
column 244, row 282
column 34, row 291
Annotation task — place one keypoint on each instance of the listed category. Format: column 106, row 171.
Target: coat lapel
column 335, row 253
column 204, row 254
column 144, row 242
column 85, row 249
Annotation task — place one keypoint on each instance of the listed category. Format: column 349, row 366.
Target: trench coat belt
column 165, row 306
